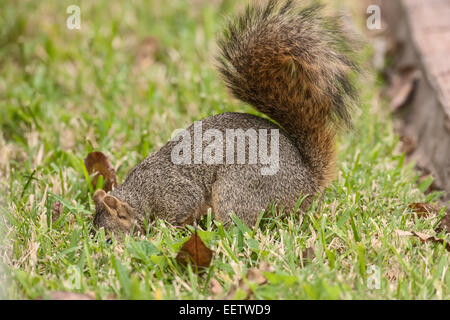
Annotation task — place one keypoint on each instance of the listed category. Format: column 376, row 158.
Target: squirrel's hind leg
column 246, row 193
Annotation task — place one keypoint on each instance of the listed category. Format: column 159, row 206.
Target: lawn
column 135, row 72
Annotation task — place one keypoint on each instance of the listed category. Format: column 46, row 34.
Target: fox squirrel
column 292, row 65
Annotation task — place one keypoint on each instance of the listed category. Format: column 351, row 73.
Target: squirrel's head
column 113, row 214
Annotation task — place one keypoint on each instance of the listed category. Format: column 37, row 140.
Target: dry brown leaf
column 64, row 295
column 97, row 162
column 56, row 211
column 444, row 224
column 402, row 233
column 194, row 251
column 423, row 209
column 426, row 209
column 402, row 86
column 423, row 237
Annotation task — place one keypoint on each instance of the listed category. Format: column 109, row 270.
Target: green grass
column 64, row 93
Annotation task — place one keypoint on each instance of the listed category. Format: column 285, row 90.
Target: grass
column 64, row 93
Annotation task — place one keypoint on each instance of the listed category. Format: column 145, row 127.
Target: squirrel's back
column 292, row 64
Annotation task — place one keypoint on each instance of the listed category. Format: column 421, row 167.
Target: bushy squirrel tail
column 291, row 64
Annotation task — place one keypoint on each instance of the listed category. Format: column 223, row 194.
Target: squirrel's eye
column 121, row 215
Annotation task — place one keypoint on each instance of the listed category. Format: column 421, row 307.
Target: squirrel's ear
column 111, row 201
column 99, row 195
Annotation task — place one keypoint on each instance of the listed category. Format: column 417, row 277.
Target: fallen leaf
column 194, row 251
column 426, row 209
column 97, row 162
column 402, row 233
column 56, row 211
column 423, row 237
column 423, row 209
column 403, row 83
column 444, row 224
column 64, row 295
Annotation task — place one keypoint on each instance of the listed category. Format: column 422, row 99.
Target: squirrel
column 291, row 64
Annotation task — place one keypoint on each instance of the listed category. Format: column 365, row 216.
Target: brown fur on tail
column 291, row 64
